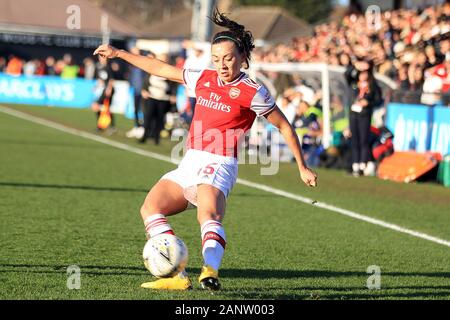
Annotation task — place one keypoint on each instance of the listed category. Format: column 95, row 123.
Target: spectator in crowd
column 59, row 66
column 197, row 58
column 117, row 70
column 338, row 155
column 14, row 66
column 158, row 94
column 344, row 59
column 2, row 64
column 339, row 120
column 40, row 68
column 445, row 75
column 287, row 107
column 402, row 78
column 281, row 82
column 69, row 70
column 433, row 58
column 416, row 77
column 435, row 87
column 182, row 100
column 30, row 67
column 50, row 66
column 89, row 68
column 444, row 47
column 365, row 96
column 383, row 65
column 303, row 91
column 308, row 126
column 136, row 79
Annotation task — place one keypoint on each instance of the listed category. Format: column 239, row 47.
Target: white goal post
column 327, row 73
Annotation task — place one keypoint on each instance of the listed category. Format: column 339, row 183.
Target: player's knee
column 153, row 207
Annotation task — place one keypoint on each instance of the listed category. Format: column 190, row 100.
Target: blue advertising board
column 46, row 91
column 410, row 125
column 418, row 127
column 440, row 137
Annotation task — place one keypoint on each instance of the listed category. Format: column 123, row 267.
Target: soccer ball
column 165, row 255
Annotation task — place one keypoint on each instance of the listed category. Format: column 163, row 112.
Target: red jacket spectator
column 442, row 71
column 14, row 66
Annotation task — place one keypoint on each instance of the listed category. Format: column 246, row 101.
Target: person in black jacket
column 366, row 95
column 158, row 94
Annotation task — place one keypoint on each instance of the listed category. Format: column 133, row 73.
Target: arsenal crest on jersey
column 234, row 92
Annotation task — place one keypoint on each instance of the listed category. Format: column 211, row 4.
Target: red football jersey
column 224, row 112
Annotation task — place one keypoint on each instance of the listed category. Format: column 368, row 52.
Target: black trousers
column 154, row 112
column 137, row 108
column 360, row 128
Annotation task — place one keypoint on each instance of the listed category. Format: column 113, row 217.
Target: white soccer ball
column 165, row 255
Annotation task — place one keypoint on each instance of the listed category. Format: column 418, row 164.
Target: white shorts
column 201, row 167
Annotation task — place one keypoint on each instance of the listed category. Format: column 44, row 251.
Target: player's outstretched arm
column 277, row 118
column 151, row 65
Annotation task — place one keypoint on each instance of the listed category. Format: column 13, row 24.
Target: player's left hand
column 309, row 177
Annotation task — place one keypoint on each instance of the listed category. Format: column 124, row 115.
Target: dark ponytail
column 243, row 39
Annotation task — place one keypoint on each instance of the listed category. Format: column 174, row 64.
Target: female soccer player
column 227, row 104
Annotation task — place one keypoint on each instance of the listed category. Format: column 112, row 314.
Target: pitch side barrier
column 56, row 92
column 419, row 128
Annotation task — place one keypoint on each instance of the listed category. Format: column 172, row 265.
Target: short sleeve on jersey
column 191, row 76
column 262, row 102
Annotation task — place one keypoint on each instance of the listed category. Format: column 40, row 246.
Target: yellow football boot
column 209, row 278
column 179, row 282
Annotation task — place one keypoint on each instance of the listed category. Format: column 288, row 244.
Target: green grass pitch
column 66, row 200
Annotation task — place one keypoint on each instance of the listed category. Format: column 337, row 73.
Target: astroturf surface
column 66, row 200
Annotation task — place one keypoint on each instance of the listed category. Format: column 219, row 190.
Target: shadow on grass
column 343, row 293
column 268, row 292
column 231, row 273
column 72, row 187
column 289, row 274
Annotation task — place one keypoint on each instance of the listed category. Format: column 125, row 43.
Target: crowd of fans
column 411, row 47
column 65, row 67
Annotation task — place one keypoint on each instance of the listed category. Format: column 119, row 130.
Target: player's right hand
column 106, row 51
column 309, row 177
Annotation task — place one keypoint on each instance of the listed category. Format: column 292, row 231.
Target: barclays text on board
column 49, row 91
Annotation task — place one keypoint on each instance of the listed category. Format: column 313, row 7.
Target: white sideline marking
column 247, row 183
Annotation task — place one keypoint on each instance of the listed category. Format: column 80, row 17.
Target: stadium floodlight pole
column 201, row 26
column 104, row 28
